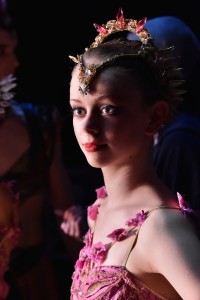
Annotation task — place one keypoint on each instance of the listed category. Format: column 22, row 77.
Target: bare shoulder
column 170, row 236
column 174, row 245
column 168, row 223
column 169, row 220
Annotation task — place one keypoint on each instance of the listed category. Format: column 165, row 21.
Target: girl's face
column 110, row 121
column 8, row 60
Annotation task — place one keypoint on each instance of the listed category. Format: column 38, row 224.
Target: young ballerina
column 141, row 243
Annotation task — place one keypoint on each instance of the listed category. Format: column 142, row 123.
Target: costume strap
column 137, row 232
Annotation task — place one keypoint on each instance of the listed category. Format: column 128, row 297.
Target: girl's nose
column 92, row 124
column 92, row 130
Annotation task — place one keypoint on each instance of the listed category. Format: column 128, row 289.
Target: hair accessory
column 6, row 85
column 167, row 74
column 87, row 74
column 121, row 24
column 112, row 26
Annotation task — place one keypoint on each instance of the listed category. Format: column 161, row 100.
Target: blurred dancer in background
column 31, row 166
column 176, row 153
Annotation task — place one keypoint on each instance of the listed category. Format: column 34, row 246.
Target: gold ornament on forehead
column 120, row 24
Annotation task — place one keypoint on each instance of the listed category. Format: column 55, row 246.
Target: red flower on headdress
column 140, row 25
column 120, row 18
column 100, row 29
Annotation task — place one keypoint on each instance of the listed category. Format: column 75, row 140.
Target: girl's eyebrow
column 100, row 98
column 74, row 100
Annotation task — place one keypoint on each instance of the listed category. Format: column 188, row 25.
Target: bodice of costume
column 8, row 240
column 94, row 281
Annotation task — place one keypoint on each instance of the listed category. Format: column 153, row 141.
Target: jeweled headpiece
column 121, row 24
column 166, row 72
column 105, row 30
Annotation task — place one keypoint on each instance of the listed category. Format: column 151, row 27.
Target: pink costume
column 8, row 240
column 94, row 281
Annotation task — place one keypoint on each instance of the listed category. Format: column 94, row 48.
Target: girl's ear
column 157, row 117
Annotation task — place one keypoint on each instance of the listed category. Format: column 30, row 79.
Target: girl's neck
column 135, row 182
column 124, row 181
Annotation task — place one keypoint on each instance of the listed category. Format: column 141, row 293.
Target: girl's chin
column 96, row 159
column 94, row 164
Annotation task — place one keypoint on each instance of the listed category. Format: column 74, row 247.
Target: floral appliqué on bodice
column 94, row 281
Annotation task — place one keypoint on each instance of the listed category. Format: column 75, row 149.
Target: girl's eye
column 109, row 110
column 78, row 111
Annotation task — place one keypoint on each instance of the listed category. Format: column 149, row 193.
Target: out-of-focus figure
column 33, row 182
column 176, row 153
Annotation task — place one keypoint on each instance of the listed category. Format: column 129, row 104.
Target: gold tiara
column 120, row 24
column 105, row 30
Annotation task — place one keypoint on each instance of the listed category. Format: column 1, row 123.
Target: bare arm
column 176, row 253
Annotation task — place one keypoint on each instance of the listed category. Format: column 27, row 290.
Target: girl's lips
column 91, row 147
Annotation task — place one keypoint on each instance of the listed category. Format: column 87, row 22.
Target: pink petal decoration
column 100, row 252
column 93, row 211
column 184, row 205
column 79, row 264
column 118, row 234
column 138, row 220
column 101, row 192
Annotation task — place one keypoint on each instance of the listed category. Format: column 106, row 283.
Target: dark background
column 50, row 31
